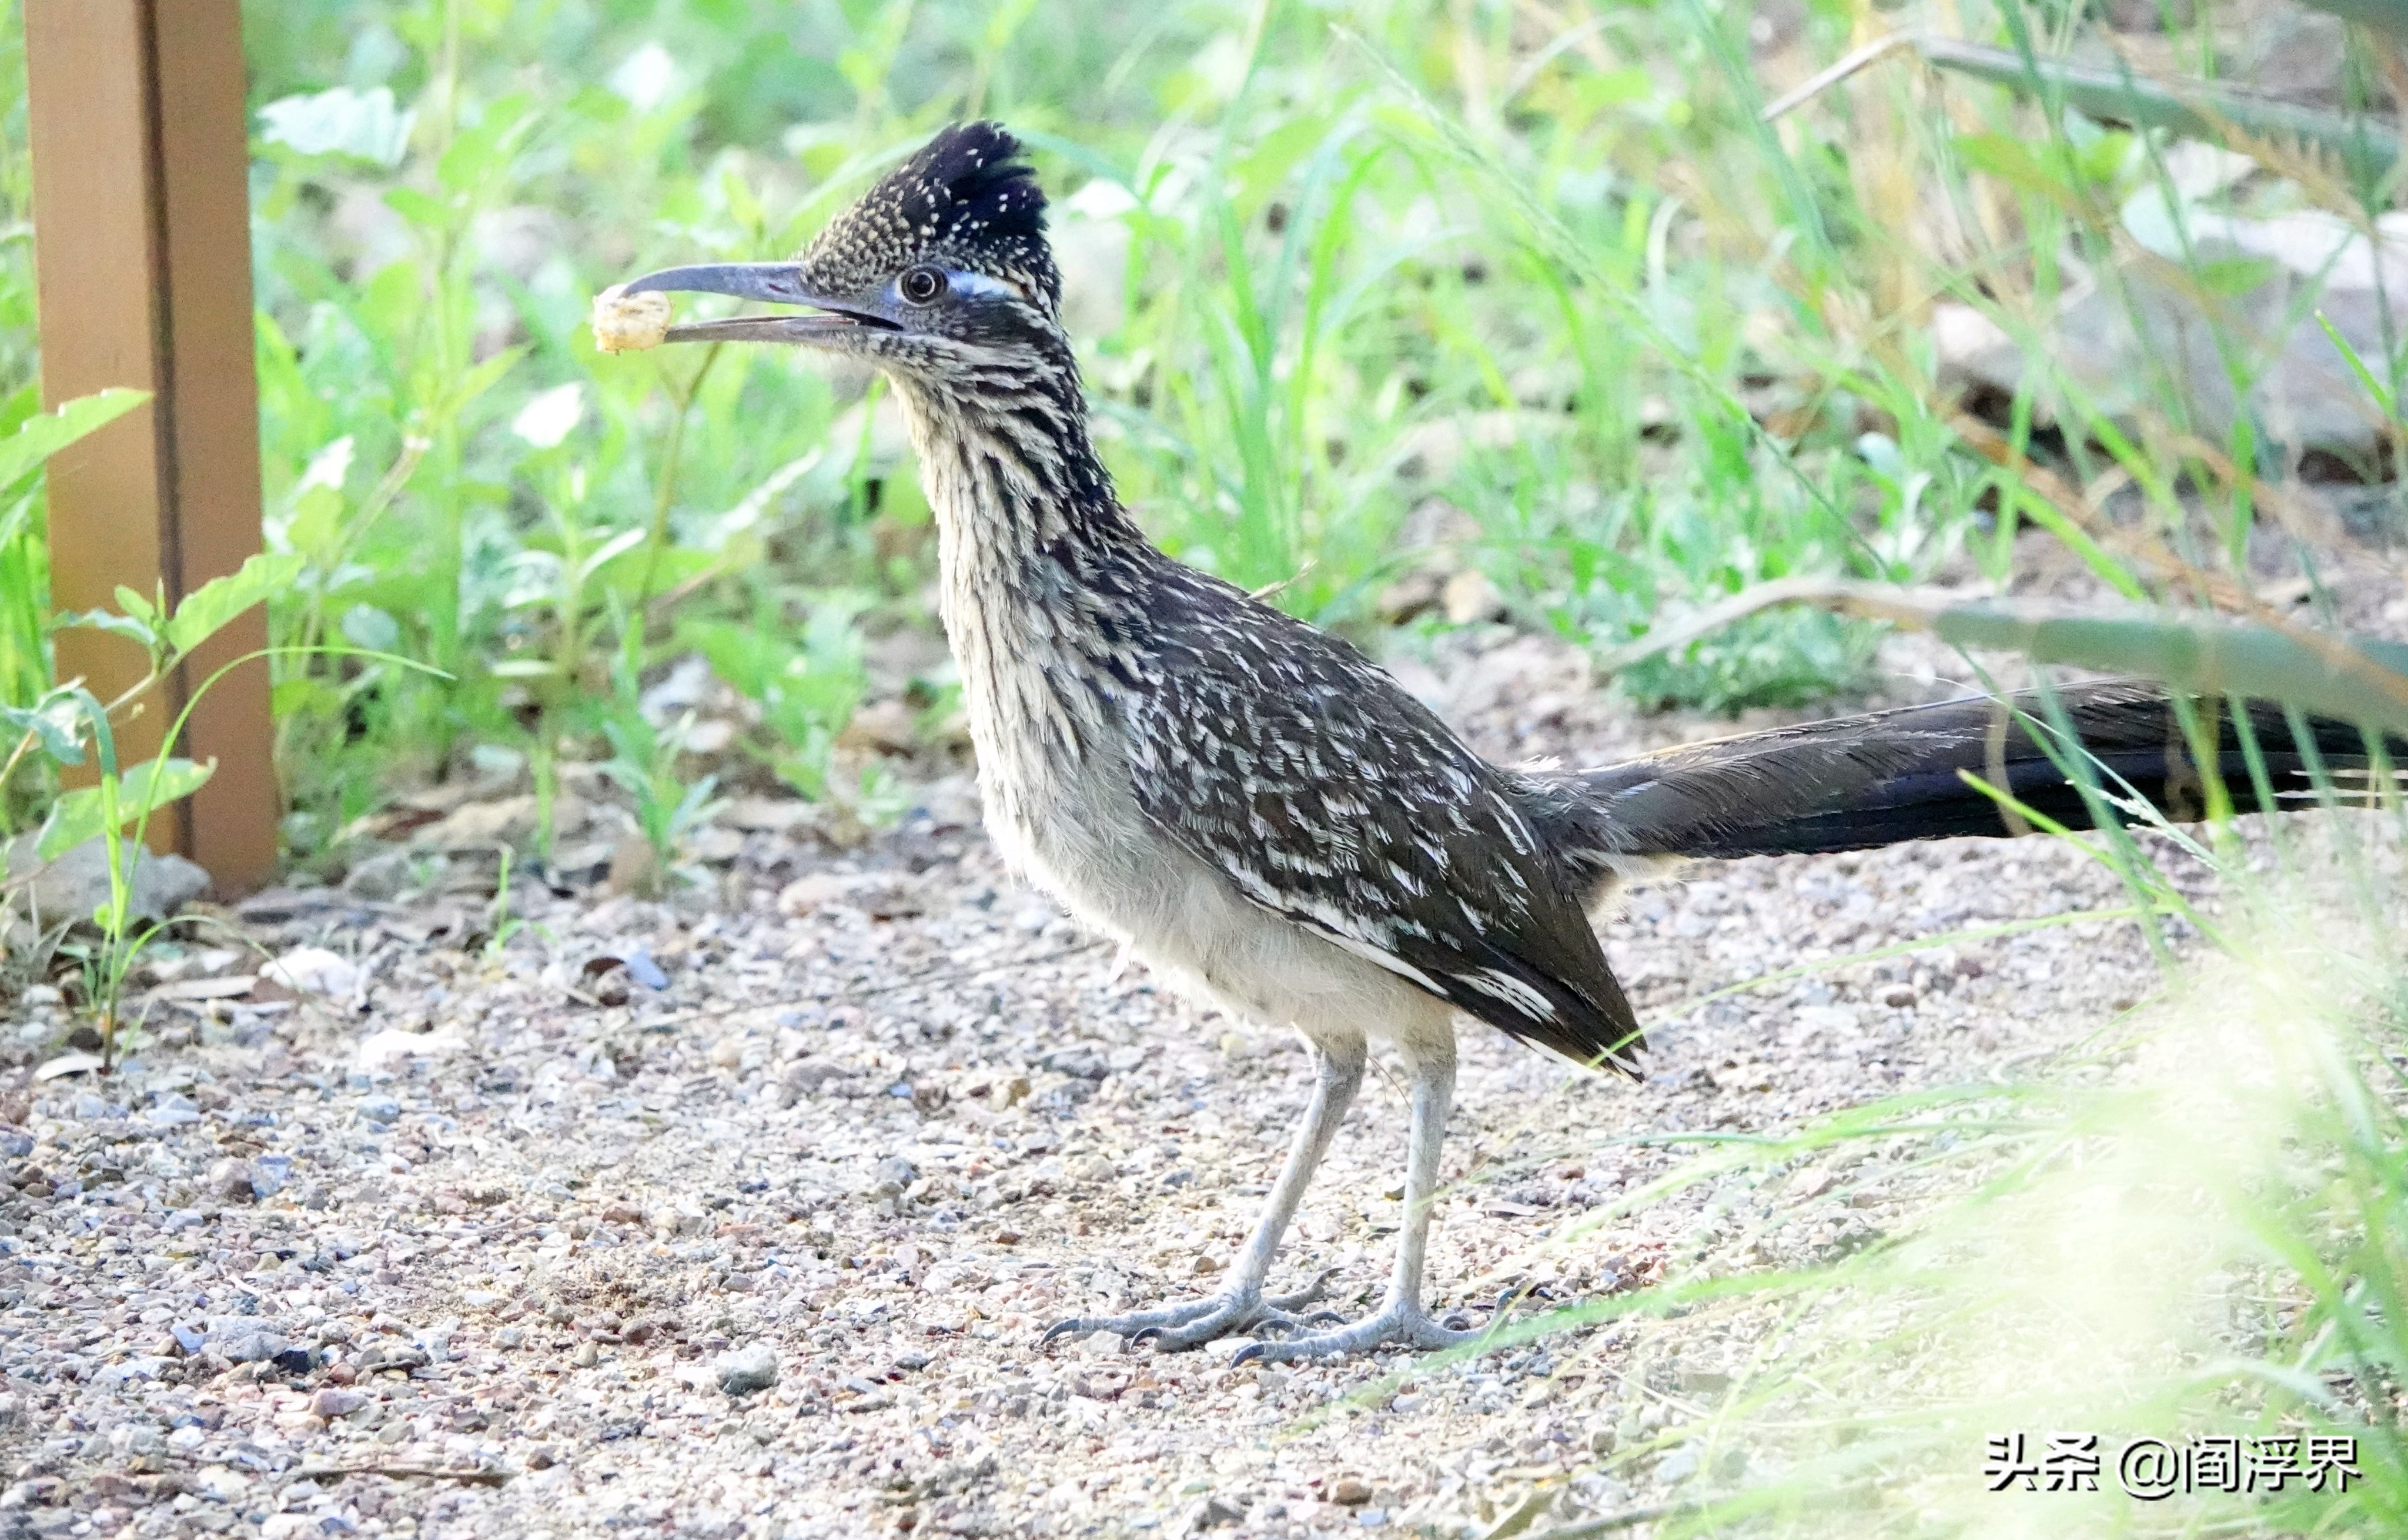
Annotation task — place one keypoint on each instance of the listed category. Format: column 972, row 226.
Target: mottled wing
column 1327, row 794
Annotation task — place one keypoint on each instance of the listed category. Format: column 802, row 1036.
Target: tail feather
column 1890, row 776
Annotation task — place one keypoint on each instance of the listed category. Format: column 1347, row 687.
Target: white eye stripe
column 979, row 286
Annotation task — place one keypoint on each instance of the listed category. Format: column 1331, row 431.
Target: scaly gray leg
column 1338, row 1074
column 1400, row 1318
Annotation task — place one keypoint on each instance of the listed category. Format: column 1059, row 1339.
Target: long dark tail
column 1890, row 776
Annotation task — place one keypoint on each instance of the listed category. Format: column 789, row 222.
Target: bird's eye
column 921, row 284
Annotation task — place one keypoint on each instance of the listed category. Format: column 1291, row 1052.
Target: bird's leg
column 1337, row 1073
column 1400, row 1318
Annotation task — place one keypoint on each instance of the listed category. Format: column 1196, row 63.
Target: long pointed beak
column 776, row 282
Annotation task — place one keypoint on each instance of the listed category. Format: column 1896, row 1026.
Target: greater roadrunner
column 1257, row 810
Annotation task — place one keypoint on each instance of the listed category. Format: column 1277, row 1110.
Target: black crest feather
column 965, row 197
column 968, row 184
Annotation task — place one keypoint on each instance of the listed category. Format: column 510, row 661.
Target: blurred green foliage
column 25, row 558
column 1303, row 324
column 1362, row 290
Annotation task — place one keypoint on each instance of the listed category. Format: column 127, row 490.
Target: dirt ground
column 743, row 1215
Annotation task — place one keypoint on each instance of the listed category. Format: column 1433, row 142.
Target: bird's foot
column 1193, row 1323
column 1407, row 1326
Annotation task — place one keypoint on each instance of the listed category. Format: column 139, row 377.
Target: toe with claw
column 1404, row 1328
column 1192, row 1324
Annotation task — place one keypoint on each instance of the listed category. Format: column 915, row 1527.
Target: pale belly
column 1084, row 840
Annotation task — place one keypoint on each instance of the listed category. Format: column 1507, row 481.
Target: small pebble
column 331, row 1403
column 231, row 1180
column 891, row 1176
column 644, row 971
column 244, row 1339
column 746, row 1370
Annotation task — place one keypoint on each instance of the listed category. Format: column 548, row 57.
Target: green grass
column 1313, row 315
column 25, row 556
column 1538, row 280
column 2188, row 1225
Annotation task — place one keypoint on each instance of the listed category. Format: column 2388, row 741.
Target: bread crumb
column 624, row 322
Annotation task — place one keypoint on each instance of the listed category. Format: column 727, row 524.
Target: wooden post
column 142, row 255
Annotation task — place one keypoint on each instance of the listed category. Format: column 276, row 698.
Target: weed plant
column 2184, row 1227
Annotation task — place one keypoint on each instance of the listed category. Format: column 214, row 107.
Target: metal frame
column 142, row 250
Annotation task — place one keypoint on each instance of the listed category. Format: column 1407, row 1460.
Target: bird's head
column 939, row 268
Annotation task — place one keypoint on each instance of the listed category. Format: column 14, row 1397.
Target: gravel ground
column 744, row 1215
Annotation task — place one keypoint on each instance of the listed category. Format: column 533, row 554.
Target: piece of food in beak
column 626, row 324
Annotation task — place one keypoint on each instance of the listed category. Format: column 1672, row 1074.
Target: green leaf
column 477, row 381
column 742, row 656
column 2376, row 387
column 742, row 206
column 2234, row 276
column 482, row 150
column 2011, row 161
column 365, row 625
column 45, row 434
column 104, row 738
column 19, row 406
column 315, row 529
column 134, row 605
column 423, row 209
column 110, row 621
column 610, row 550
column 52, row 727
column 2103, row 160
column 209, row 607
column 1592, row 92
column 81, row 815
column 356, row 125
